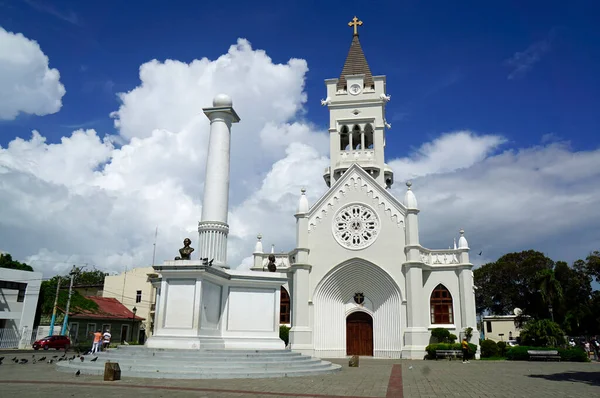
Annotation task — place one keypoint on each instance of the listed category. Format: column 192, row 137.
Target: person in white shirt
column 106, row 339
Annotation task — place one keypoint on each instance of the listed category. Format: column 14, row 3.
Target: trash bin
column 112, row 371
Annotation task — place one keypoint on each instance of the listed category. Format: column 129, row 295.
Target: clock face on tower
column 354, row 89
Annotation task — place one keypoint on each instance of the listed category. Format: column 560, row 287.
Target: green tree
column 592, row 265
column 542, row 333
column 513, row 281
column 6, row 261
column 574, row 311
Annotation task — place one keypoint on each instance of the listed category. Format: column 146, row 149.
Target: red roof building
column 108, row 308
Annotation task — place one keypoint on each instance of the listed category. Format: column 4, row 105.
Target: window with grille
column 441, row 306
column 138, row 296
column 284, row 309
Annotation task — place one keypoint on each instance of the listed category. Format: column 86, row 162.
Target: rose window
column 355, row 226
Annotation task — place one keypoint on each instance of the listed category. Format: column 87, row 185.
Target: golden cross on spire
column 355, row 23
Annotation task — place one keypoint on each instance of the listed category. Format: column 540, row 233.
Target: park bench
column 450, row 354
column 552, row 354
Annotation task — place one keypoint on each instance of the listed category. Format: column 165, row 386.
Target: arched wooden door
column 359, row 334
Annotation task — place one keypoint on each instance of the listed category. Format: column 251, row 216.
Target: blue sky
column 494, row 116
column 446, row 62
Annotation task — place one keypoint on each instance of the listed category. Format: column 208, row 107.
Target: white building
column 360, row 282
column 501, row 327
column 19, row 293
column 133, row 289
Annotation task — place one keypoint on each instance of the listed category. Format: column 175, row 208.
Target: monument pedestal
column 209, row 307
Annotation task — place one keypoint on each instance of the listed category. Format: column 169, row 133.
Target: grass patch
column 493, row 359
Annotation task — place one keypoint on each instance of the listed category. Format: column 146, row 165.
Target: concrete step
column 201, row 364
column 198, row 358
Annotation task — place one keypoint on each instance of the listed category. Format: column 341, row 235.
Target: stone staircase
column 139, row 361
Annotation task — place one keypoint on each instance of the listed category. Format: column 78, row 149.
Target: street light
column 134, row 310
column 551, row 312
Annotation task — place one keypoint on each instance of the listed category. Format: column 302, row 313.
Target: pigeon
column 33, row 356
column 54, row 356
column 23, row 361
column 82, row 358
column 1, row 359
column 50, row 361
column 14, row 359
column 34, row 361
column 78, row 373
column 210, row 262
column 42, row 358
column 94, row 360
column 480, row 252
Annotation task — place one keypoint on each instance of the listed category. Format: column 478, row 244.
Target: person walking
column 465, row 350
column 97, row 342
column 106, row 339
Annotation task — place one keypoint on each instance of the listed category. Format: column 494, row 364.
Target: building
column 123, row 324
column 501, row 328
column 133, row 290
column 359, row 279
column 19, row 293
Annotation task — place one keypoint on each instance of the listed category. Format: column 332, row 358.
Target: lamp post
column 134, row 310
column 551, row 312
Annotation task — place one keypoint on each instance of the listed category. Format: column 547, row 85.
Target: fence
column 12, row 338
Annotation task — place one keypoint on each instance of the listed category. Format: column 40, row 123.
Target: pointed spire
column 462, row 241
column 303, row 202
column 258, row 248
column 454, row 243
column 410, row 200
column 273, row 249
column 356, row 63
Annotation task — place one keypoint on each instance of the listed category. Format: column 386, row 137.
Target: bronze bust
column 271, row 266
column 186, row 250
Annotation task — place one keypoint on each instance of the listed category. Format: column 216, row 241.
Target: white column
column 301, row 333
column 213, row 228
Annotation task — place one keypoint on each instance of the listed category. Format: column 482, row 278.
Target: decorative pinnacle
column 259, row 236
column 408, row 184
column 303, row 190
column 462, row 231
column 355, row 23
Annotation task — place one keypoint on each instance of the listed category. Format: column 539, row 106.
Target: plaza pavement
column 374, row 378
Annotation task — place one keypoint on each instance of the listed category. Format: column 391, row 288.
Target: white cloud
column 85, row 200
column 27, row 84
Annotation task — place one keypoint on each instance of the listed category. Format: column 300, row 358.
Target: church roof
column 356, row 64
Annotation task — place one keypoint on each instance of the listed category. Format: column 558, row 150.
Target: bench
column 450, row 354
column 551, row 354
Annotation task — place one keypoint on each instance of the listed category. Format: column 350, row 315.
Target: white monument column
column 213, row 228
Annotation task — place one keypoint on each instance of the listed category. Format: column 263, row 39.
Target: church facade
column 359, row 281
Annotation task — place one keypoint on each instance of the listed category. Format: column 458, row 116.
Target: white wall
column 20, row 315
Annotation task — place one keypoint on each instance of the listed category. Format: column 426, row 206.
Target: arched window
column 441, row 306
column 284, row 307
column 368, row 136
column 344, row 139
column 356, row 144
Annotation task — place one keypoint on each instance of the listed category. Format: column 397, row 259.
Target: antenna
column 154, row 250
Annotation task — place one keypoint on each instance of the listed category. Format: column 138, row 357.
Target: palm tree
column 549, row 288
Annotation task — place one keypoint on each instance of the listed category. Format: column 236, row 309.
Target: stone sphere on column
column 222, row 100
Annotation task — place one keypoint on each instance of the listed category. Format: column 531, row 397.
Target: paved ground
column 374, row 378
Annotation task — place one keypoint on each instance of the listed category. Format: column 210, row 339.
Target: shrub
column 489, row 348
column 469, row 333
column 441, row 335
column 284, row 334
column 431, row 348
column 452, row 338
column 542, row 333
column 501, row 347
column 569, row 354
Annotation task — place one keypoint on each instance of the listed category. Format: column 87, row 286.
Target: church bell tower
column 357, row 124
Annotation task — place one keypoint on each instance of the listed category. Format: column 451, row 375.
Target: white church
column 359, row 281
